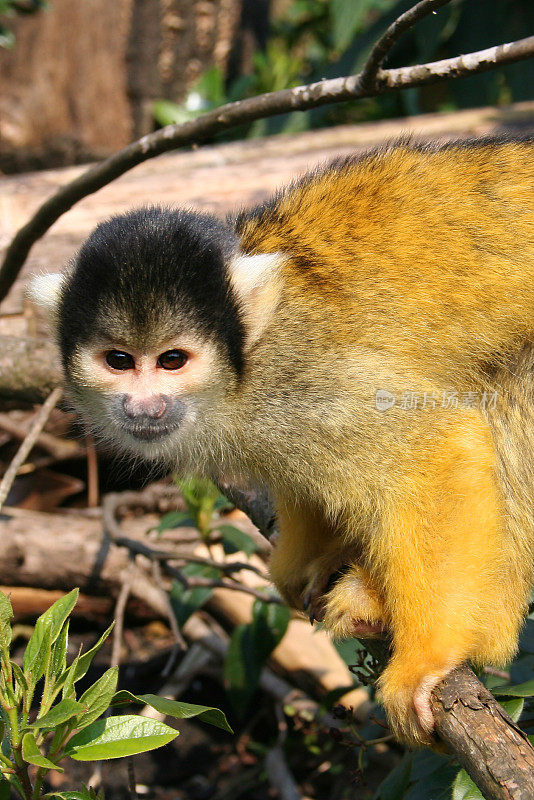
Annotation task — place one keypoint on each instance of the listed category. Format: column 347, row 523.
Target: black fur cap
column 149, row 268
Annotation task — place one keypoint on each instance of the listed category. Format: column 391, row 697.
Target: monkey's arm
column 451, row 572
column 309, row 555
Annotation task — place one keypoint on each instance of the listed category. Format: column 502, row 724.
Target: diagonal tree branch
column 228, row 116
column 391, row 36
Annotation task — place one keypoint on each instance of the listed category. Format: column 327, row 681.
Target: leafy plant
column 204, row 501
column 67, row 725
column 251, row 644
column 250, row 647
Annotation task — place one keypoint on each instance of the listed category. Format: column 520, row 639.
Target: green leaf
column 242, row 669
column 167, row 113
column 396, row 783
column 269, row 624
column 343, row 14
column 521, row 690
column 514, row 707
column 7, row 38
column 36, row 663
column 67, row 679
column 115, row 737
column 463, row 788
column 5, row 792
column 173, row 708
column 526, row 640
column 58, row 662
column 186, row 601
column 175, row 519
column 85, row 793
column 32, row 754
column 6, row 615
column 46, row 631
column 81, row 664
column 19, row 676
column 236, row 540
column 58, row 714
column 250, row 647
column 98, row 697
column 201, row 496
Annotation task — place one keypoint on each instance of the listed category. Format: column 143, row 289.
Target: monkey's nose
column 153, row 406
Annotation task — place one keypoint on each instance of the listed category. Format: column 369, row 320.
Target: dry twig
column 391, row 36
column 110, row 505
column 118, row 616
column 58, row 447
column 27, row 444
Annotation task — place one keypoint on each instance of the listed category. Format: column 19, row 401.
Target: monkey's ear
column 249, row 273
column 45, row 291
column 255, row 280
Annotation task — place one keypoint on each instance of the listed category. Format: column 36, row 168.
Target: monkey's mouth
column 148, row 433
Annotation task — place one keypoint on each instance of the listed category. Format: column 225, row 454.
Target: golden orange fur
column 380, row 382
column 411, row 271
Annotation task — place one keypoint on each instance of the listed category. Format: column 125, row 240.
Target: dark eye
column 172, row 359
column 119, row 360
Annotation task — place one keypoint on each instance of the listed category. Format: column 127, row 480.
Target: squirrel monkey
column 362, row 344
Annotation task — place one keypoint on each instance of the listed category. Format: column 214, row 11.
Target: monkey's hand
column 346, row 602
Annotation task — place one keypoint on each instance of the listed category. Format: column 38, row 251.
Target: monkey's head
column 154, row 320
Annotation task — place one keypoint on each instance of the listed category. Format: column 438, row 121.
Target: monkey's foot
column 407, row 703
column 353, row 608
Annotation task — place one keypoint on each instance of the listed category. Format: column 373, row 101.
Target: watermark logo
column 384, row 400
column 447, row 399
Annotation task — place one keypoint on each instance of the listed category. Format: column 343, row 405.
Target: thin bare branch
column 110, row 505
column 391, row 36
column 120, row 608
column 230, row 115
column 227, row 567
column 26, row 446
column 458, row 67
column 234, row 586
column 179, row 640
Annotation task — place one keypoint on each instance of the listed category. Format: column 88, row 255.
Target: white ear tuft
column 45, row 290
column 248, row 273
column 254, row 279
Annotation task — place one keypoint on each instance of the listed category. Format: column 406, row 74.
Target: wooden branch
column 391, row 36
column 488, row 744
column 56, row 551
column 29, row 369
column 230, row 115
column 28, row 443
column 59, row 448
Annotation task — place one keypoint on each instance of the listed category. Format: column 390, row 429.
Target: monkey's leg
column 454, row 585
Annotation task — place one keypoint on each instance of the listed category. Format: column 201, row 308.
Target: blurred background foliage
column 132, row 66
column 309, row 40
column 9, row 9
